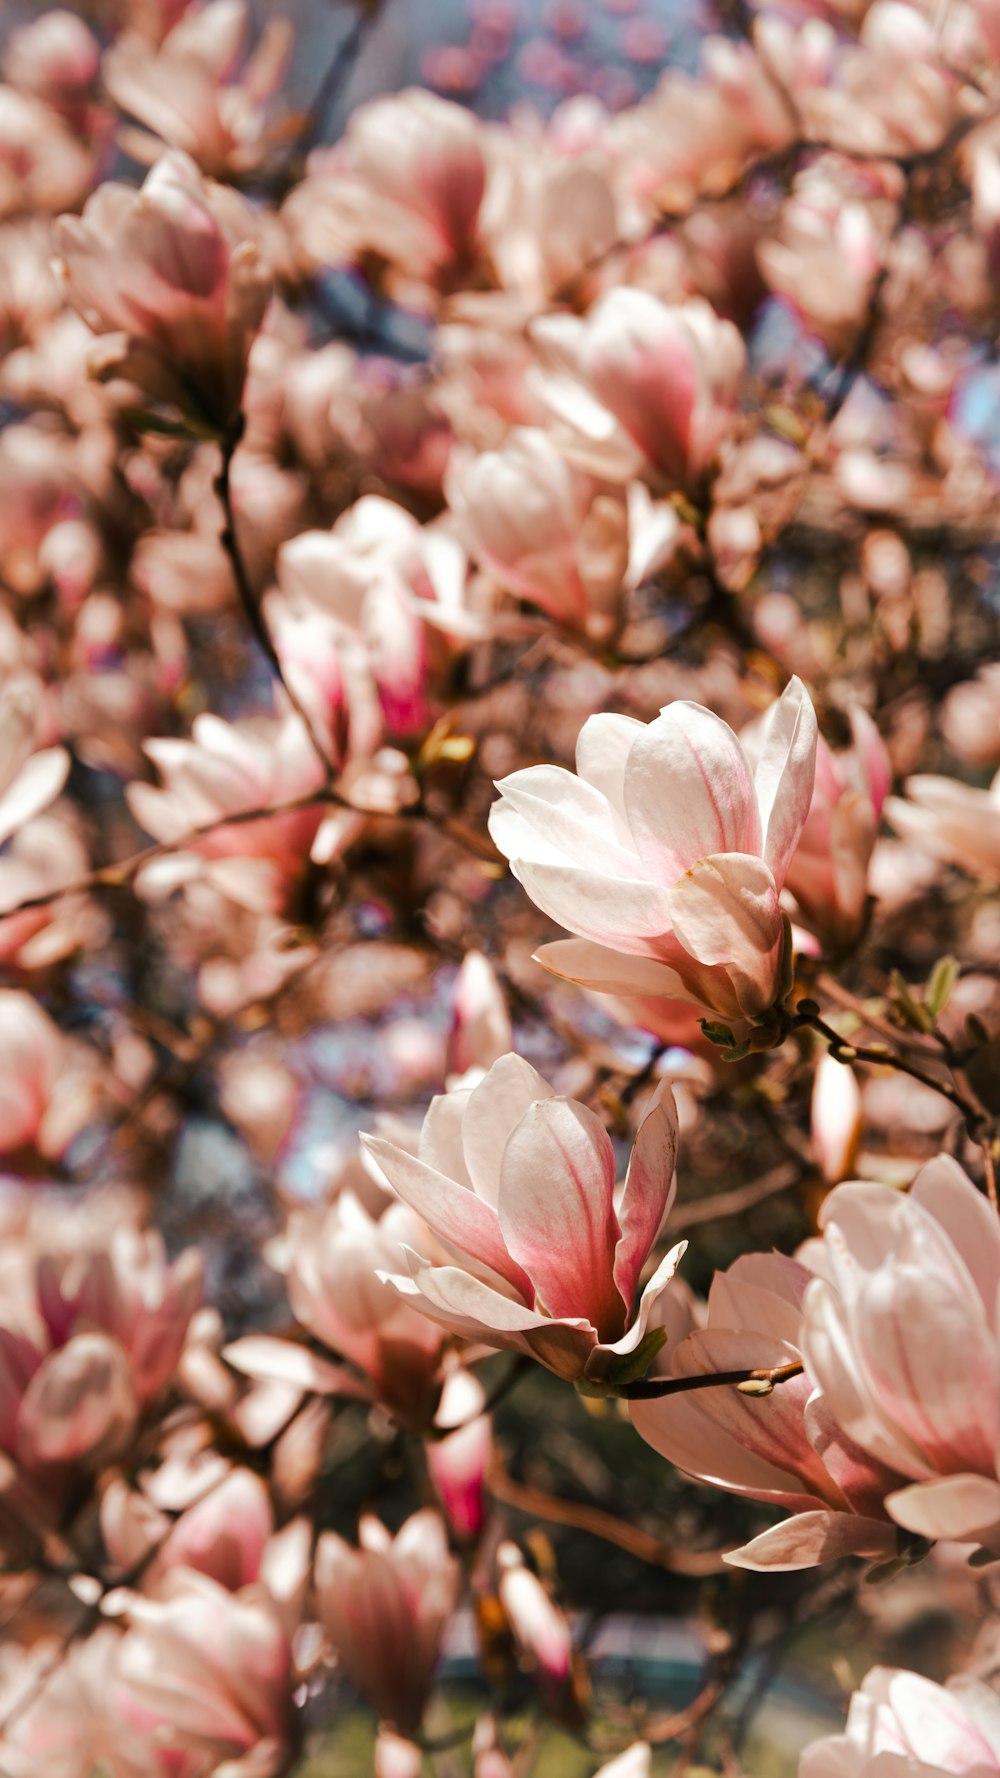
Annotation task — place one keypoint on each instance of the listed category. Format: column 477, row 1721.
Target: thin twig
column 655, row 1388
column 598, row 1523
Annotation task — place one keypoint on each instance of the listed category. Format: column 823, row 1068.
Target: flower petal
column 811, row 1538
column 556, row 1210
column 452, row 1212
column 649, row 1190
column 785, row 774
column 689, row 791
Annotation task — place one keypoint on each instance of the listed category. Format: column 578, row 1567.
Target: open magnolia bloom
column 172, row 275
column 520, row 1186
column 785, row 1449
column 666, row 853
column 901, row 1723
column 900, row 1334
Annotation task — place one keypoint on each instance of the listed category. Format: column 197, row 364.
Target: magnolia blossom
column 172, row 273
column 79, row 1366
column 553, row 1274
column 901, row 1722
column 185, row 90
column 540, row 1630
column 828, row 873
column 550, row 532
column 785, row 1448
column 334, row 1258
column 900, row 1335
column 227, row 769
column 666, row 854
column 459, row 1462
column 203, row 1677
column 640, row 376
column 835, row 1117
column 385, row 1606
column 952, row 821
column 827, row 255
column 47, row 1086
column 425, row 155
column 481, row 1030
column 29, row 781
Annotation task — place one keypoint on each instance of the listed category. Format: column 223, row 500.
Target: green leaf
column 941, row 984
column 718, row 1033
column 633, row 1365
column 913, row 1012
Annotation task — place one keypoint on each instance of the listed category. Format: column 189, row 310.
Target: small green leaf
column 941, row 984
column 718, row 1033
column 913, row 1013
column 633, row 1365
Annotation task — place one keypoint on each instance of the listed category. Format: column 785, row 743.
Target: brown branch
column 750, row 1382
column 598, row 1523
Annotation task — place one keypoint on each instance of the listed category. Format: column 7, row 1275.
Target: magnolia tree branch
column 748, row 1382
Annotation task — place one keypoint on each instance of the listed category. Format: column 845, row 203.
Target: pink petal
column 785, row 774
column 649, row 1190
column 725, row 912
column 494, row 1109
column 605, row 971
column 454, row 1214
column 557, row 1214
column 622, row 914
column 814, row 1537
column 466, row 1306
column 689, row 791
column 959, row 1507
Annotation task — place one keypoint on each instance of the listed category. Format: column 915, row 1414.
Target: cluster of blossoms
column 349, row 492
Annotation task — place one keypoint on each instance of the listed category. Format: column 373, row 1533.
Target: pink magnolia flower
column 172, row 273
column 459, row 1462
column 637, row 371
column 828, row 872
column 226, row 769
column 900, row 1334
column 29, row 781
column 47, row 1087
column 666, row 854
column 203, row 1676
column 835, row 1118
column 187, row 93
column 548, row 531
column 828, row 252
column 551, row 1274
column 953, row 821
column 58, row 59
column 899, row 1721
column 385, row 1606
column 481, row 1030
column 333, row 1258
column 785, row 1448
column 541, row 1631
column 425, row 155
column 81, row 1364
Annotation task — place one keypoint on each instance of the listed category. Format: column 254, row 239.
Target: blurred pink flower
column 666, row 854
column 539, row 1628
column 554, row 1275
column 172, row 274
column 78, row 1369
column 459, row 1462
column 952, row 821
column 187, row 92
column 227, row 769
column 642, row 376
column 900, row 1721
column 203, row 1678
column 47, row 1085
column 549, row 532
column 333, row 1257
column 29, row 781
column 481, row 1030
column 385, row 1606
column 900, row 1334
column 835, row 1118
column 828, row 872
column 426, row 155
